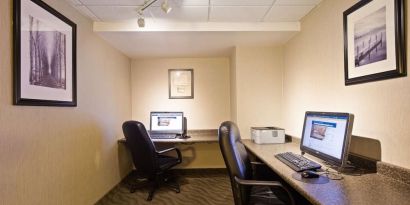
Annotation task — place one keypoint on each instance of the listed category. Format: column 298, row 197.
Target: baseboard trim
column 201, row 171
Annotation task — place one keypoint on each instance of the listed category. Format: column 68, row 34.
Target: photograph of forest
column 47, row 55
column 44, row 46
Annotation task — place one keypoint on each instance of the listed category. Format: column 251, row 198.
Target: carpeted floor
column 197, row 188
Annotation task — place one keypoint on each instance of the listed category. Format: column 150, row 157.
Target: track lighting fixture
column 165, row 7
column 141, row 20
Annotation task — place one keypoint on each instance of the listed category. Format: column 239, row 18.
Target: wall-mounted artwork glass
column 181, row 83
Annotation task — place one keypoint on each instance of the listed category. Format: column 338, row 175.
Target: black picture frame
column 185, row 84
column 357, row 59
column 43, row 75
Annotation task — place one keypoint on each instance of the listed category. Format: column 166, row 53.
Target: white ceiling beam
column 151, row 25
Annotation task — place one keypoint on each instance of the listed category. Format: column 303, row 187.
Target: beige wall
column 210, row 106
column 314, row 80
column 259, row 72
column 56, row 155
column 232, row 75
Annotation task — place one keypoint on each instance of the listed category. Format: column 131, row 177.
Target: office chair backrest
column 236, row 159
column 142, row 149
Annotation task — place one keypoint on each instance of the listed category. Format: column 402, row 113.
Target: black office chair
column 245, row 189
column 148, row 161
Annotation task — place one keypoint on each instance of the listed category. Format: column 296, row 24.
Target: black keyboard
column 297, row 162
column 163, row 136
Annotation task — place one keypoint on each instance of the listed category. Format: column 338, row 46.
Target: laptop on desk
column 166, row 125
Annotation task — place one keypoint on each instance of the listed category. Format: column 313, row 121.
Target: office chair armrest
column 257, row 163
column 245, row 182
column 258, row 183
column 171, row 149
column 166, row 150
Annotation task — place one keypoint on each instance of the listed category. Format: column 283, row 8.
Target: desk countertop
column 369, row 189
column 196, row 136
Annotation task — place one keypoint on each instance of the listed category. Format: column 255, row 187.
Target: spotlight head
column 165, row 7
column 141, row 22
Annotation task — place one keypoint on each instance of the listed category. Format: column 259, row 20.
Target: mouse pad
column 319, row 180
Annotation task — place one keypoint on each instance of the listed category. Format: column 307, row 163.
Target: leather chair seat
column 166, row 162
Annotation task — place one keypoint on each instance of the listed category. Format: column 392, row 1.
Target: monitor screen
column 167, row 122
column 327, row 135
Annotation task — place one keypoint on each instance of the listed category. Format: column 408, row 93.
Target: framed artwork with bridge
column 374, row 41
column 44, row 55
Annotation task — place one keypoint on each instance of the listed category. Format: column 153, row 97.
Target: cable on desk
column 348, row 169
column 332, row 175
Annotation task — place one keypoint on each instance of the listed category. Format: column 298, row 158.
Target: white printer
column 267, row 135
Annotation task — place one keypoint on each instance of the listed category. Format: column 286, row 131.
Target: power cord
column 332, row 175
column 348, row 169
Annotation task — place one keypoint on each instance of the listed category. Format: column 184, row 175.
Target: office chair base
column 133, row 187
column 175, row 187
column 151, row 192
column 155, row 186
column 158, row 183
column 172, row 183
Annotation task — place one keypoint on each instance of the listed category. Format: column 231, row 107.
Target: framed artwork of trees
column 44, row 56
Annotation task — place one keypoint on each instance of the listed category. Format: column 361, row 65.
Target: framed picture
column 374, row 41
column 181, row 83
column 44, row 56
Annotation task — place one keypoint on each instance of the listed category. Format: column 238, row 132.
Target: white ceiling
column 191, row 42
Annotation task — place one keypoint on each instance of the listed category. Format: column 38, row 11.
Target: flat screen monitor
column 326, row 135
column 167, row 122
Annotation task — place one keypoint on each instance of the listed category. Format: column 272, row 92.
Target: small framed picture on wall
column 181, row 83
column 44, row 56
column 374, row 41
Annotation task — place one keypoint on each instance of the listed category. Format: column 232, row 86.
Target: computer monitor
column 167, row 122
column 326, row 135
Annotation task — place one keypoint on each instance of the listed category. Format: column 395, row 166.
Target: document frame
column 181, row 83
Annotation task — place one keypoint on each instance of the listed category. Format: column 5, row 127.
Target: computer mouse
column 309, row 174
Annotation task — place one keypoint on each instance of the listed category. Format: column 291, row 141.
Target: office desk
column 196, row 136
column 201, row 150
column 369, row 189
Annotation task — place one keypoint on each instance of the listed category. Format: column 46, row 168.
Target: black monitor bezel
column 165, row 131
column 346, row 141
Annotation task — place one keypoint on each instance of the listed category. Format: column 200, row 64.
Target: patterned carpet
column 197, row 187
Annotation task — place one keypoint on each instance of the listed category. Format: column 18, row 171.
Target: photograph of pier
column 370, row 38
